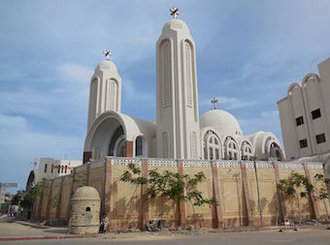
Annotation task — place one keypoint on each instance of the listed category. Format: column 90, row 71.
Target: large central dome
column 222, row 121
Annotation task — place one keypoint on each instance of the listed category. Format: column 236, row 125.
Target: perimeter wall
column 232, row 183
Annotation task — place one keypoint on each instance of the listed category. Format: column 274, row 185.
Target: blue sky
column 248, row 53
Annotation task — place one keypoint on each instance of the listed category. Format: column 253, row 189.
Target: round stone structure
column 85, row 211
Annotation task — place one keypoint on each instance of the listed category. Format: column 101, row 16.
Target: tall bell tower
column 178, row 132
column 105, row 90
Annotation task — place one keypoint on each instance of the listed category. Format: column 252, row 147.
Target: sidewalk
column 22, row 230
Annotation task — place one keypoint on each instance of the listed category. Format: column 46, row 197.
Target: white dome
column 107, row 65
column 222, row 121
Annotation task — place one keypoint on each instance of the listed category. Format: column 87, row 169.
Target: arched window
column 211, row 146
column 120, row 147
column 231, row 149
column 66, row 169
column 45, row 170
column 246, row 151
column 58, row 168
column 52, row 169
column 62, row 169
column 139, row 146
column 276, row 152
column 118, row 133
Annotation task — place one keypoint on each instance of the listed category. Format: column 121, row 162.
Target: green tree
column 169, row 185
column 296, row 186
column 321, row 190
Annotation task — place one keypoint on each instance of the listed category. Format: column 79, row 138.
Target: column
column 280, row 196
column 106, row 200
column 182, row 203
column 216, row 194
column 311, row 200
column 246, row 192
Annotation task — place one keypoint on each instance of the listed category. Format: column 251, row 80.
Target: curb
column 2, row 239
column 31, row 224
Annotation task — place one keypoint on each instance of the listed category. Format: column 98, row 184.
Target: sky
column 248, row 53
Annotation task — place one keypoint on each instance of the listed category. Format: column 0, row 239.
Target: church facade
column 178, row 132
column 179, row 141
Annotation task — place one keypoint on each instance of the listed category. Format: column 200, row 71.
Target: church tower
column 178, row 132
column 105, row 90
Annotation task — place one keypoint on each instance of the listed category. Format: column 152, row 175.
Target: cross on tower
column 107, row 54
column 174, row 12
column 214, row 101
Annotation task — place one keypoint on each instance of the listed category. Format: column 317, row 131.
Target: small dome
column 86, row 193
column 107, row 65
column 222, row 121
column 175, row 24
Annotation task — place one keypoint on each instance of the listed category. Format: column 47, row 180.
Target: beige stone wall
column 65, row 197
column 125, row 200
column 236, row 187
column 203, row 214
column 96, row 178
column 55, row 195
column 231, row 192
column 157, row 206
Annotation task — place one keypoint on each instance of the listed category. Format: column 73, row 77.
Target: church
column 178, row 132
column 242, row 171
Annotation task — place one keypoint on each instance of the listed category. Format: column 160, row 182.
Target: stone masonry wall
column 232, row 183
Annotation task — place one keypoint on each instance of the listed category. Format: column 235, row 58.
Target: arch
column 247, row 151
column 119, row 133
column 275, row 151
column 93, row 92
column 109, row 119
column 111, row 102
column 165, row 49
column 120, row 147
column 292, row 86
column 231, row 148
column 31, row 181
column 189, row 72
column 140, row 146
column 212, row 146
column 307, row 79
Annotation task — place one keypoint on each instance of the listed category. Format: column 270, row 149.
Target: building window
column 320, row 138
column 231, row 149
column 303, row 143
column 66, row 169
column 58, row 169
column 52, row 169
column 299, row 121
column 45, row 170
column 139, row 146
column 62, row 169
column 316, row 113
column 211, row 146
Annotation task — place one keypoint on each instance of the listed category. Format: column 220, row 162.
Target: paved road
column 303, row 237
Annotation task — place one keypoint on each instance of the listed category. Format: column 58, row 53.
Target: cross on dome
column 214, row 101
column 174, row 12
column 107, row 54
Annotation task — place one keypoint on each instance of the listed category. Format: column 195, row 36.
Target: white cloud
column 264, row 121
column 20, row 145
column 75, row 73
